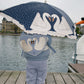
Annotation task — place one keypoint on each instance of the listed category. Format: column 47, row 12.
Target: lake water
column 10, row 54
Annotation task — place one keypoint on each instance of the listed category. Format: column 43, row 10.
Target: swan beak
column 32, row 42
column 51, row 19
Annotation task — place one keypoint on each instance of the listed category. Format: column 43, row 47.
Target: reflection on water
column 10, row 54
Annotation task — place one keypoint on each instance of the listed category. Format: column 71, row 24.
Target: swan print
column 47, row 23
column 34, row 45
column 50, row 24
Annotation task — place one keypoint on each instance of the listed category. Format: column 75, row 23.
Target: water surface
column 10, row 54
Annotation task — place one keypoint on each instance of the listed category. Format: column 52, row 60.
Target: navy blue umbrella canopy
column 40, row 18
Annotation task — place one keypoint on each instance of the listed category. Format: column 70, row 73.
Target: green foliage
column 78, row 31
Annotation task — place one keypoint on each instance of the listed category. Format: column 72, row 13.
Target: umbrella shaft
column 45, row 1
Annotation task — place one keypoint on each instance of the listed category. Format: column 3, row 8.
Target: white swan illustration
column 38, row 45
column 48, row 26
column 26, row 47
column 56, row 25
column 42, row 25
column 41, row 44
column 61, row 27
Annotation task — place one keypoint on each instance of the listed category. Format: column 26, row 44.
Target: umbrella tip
column 45, row 1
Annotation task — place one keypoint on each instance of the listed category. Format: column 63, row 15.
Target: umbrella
column 40, row 18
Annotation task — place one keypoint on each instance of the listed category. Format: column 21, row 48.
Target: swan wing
column 39, row 24
column 41, row 44
column 63, row 27
column 24, row 46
